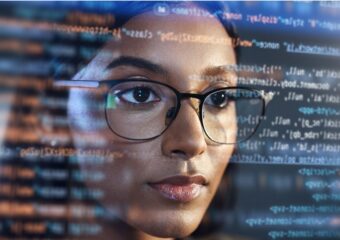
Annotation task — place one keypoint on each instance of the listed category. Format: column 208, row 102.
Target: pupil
column 218, row 98
column 141, row 94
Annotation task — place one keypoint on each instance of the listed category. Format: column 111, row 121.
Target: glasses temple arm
column 76, row 83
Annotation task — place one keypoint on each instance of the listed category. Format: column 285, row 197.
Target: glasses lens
column 139, row 109
column 232, row 115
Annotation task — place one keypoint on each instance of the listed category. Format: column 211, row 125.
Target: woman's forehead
column 177, row 23
column 196, row 43
column 185, row 48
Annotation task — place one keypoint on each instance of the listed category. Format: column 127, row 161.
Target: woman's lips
column 180, row 188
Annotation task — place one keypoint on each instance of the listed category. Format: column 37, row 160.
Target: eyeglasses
column 139, row 109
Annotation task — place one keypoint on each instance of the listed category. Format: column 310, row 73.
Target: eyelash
column 129, row 90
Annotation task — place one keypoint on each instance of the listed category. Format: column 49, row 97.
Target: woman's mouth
column 180, row 188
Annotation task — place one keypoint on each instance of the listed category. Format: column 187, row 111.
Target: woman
column 164, row 96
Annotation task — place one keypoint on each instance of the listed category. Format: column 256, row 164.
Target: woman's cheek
column 86, row 114
column 96, row 151
column 220, row 158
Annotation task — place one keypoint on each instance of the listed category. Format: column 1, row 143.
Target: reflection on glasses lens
column 232, row 115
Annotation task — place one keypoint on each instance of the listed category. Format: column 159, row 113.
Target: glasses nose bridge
column 183, row 96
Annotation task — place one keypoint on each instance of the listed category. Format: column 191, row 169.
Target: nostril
column 178, row 153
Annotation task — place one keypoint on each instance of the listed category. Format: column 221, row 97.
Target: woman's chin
column 170, row 230
column 168, row 225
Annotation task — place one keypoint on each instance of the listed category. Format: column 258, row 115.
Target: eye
column 218, row 99
column 138, row 95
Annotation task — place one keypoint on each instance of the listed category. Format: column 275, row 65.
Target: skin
column 183, row 149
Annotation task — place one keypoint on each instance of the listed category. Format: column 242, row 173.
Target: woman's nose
column 184, row 138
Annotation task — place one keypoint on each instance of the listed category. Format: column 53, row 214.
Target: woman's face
column 144, row 185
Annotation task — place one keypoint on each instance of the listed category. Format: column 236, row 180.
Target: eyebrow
column 218, row 70
column 212, row 70
column 138, row 63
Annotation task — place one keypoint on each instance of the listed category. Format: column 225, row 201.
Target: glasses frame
column 266, row 97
